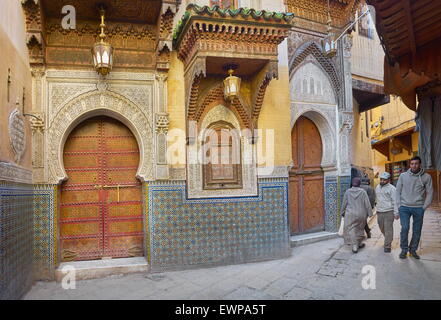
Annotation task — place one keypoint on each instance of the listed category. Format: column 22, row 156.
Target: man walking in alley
column 413, row 196
column 356, row 208
column 386, row 210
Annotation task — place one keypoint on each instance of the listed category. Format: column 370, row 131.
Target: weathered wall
column 275, row 115
column 396, row 117
column 367, row 54
column 176, row 110
column 386, row 121
column 16, row 194
column 15, row 64
column 361, row 139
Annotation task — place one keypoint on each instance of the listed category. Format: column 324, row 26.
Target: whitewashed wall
column 367, row 56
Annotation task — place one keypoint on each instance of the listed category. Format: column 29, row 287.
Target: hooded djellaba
column 356, row 208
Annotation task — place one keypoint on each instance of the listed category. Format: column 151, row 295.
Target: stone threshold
column 93, row 269
column 308, row 238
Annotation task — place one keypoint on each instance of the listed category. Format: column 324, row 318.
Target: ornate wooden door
column 306, row 190
column 101, row 206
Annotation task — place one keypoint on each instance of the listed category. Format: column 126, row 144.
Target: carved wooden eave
column 342, row 11
column 243, row 31
column 143, row 21
column 165, row 33
column 410, row 32
column 205, row 38
column 34, row 31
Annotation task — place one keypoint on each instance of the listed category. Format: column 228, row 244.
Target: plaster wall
column 13, row 60
column 361, row 139
column 367, row 55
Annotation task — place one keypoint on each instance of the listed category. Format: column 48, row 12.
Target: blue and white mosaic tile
column 16, row 239
column 45, row 222
column 193, row 233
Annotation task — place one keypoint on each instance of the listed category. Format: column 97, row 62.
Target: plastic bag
column 342, row 224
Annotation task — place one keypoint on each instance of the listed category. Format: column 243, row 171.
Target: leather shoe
column 403, row 254
column 387, row 250
column 414, row 254
column 354, row 248
column 362, row 245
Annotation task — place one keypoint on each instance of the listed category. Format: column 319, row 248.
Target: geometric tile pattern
column 16, row 239
column 331, row 204
column 344, row 183
column 45, row 231
column 218, row 231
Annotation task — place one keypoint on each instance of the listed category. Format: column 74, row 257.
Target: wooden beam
column 406, row 6
column 383, row 148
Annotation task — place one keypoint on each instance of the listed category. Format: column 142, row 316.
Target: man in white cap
column 386, row 209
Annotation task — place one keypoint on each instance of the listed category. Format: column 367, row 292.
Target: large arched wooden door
column 306, row 199
column 101, row 206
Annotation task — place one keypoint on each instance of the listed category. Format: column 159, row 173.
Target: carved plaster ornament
column 347, row 45
column 17, row 135
column 101, row 85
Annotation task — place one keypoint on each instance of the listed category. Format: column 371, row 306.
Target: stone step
column 93, row 269
column 308, row 238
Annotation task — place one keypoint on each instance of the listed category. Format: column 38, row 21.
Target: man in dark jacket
column 414, row 195
column 366, row 186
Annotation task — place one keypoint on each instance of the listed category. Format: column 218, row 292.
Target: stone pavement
column 323, row 270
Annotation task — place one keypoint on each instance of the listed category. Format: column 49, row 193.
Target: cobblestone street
column 323, row 270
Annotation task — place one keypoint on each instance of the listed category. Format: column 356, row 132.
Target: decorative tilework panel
column 331, row 204
column 194, row 233
column 45, row 222
column 344, row 184
column 16, row 239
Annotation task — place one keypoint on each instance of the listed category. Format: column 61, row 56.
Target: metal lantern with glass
column 231, row 83
column 329, row 43
column 102, row 52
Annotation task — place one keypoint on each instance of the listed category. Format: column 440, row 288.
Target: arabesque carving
column 217, row 94
column 271, row 72
column 341, row 11
column 312, row 48
column 34, row 31
column 89, row 104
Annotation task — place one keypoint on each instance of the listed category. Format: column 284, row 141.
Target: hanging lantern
column 231, row 84
column 329, row 43
column 102, row 52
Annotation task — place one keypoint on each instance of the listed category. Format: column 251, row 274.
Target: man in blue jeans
column 413, row 197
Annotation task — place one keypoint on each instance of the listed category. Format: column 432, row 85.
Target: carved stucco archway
column 319, row 104
column 311, row 48
column 248, row 158
column 92, row 104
